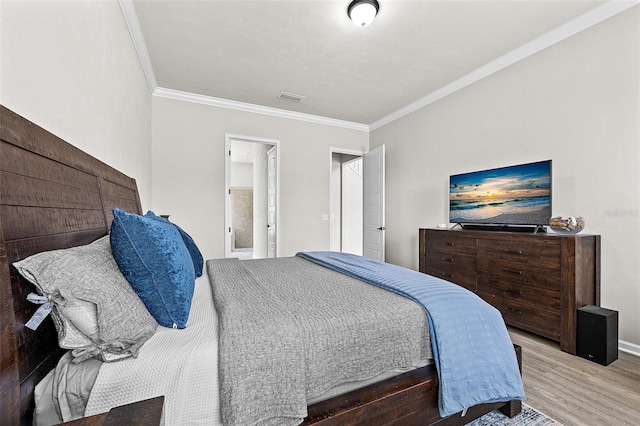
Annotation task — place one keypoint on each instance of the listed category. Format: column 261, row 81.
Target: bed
column 55, row 196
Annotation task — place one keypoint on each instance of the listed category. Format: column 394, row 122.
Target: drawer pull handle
column 447, row 259
column 513, row 291
column 444, row 243
column 512, row 271
column 447, row 275
column 513, row 251
column 513, row 310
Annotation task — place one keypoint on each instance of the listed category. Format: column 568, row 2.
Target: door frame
column 228, row 139
column 334, row 150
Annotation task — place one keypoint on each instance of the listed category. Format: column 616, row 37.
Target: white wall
column 242, row 174
column 71, row 68
column 188, row 171
column 577, row 103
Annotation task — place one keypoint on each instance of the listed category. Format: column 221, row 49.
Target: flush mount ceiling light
column 362, row 12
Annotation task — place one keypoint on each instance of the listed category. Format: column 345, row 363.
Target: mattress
column 182, row 365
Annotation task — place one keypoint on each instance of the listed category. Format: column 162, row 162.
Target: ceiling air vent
column 291, row 97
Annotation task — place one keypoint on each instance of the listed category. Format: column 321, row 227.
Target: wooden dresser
column 537, row 281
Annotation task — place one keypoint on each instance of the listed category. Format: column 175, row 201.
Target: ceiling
column 250, row 51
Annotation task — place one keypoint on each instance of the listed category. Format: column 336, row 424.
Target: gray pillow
column 96, row 312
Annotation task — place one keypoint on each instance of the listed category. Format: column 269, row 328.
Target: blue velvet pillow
column 154, row 259
column 194, row 251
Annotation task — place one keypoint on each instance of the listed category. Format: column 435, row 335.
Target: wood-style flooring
column 575, row 391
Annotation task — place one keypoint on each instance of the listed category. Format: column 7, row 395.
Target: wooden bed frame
column 55, row 196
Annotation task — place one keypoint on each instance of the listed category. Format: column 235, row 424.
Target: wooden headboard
column 52, row 196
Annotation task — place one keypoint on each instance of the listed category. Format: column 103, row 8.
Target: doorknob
column 382, row 228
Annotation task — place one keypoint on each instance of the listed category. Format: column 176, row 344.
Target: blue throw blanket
column 473, row 353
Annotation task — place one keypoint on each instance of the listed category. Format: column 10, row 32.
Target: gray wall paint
column 577, row 103
column 188, row 171
column 88, row 90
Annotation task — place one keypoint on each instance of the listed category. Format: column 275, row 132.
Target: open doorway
column 251, row 197
column 346, row 202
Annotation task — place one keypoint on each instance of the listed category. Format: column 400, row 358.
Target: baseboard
column 628, row 347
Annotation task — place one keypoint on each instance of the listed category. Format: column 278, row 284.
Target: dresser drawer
column 511, row 291
column 536, row 320
column 541, row 253
column 524, row 274
column 449, row 242
column 457, row 269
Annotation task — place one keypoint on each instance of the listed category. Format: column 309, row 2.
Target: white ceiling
column 250, row 51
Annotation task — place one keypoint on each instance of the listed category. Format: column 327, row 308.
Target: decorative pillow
column 154, row 259
column 96, row 312
column 194, row 251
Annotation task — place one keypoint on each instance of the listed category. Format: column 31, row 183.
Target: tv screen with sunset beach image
column 514, row 195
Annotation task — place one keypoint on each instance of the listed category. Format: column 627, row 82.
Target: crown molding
column 131, row 19
column 582, row 22
column 588, row 19
column 256, row 109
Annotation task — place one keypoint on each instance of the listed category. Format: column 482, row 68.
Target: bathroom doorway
column 251, row 194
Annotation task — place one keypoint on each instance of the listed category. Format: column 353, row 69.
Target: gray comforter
column 290, row 330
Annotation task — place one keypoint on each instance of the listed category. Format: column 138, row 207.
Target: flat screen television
column 515, row 196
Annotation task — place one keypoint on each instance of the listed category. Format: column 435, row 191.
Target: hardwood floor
column 575, row 391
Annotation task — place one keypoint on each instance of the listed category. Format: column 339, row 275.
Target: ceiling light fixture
column 362, row 12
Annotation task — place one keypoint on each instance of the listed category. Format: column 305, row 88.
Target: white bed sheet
column 182, row 365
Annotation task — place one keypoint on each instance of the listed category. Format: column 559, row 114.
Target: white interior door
column 271, row 202
column 373, row 200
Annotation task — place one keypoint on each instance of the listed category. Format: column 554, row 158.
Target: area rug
column 528, row 417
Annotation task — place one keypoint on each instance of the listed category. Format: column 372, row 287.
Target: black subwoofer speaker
column 597, row 337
